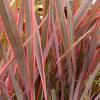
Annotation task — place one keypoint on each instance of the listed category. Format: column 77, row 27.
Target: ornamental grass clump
column 49, row 50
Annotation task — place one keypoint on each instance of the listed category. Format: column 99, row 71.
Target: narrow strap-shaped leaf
column 45, row 54
column 86, row 64
column 47, row 47
column 89, row 19
column 5, row 68
column 40, row 63
column 21, row 16
column 63, row 28
column 30, row 49
column 90, row 81
column 72, row 88
column 92, row 48
column 93, row 64
column 58, row 55
column 62, row 22
column 15, row 84
column 39, row 57
column 45, row 26
column 81, row 12
column 14, row 40
column 76, row 42
column 71, row 32
column 4, row 92
column 56, row 43
column 14, row 81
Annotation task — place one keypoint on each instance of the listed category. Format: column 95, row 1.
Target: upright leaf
column 90, row 81
column 14, row 40
column 39, row 57
column 30, row 49
column 14, row 81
